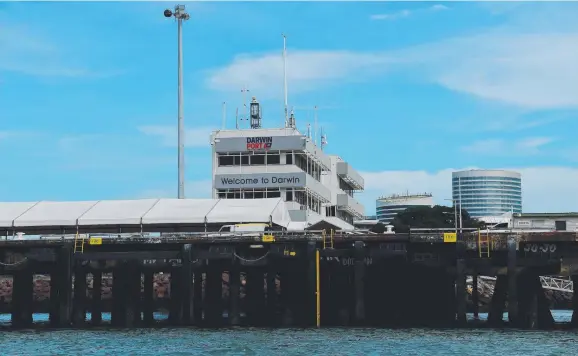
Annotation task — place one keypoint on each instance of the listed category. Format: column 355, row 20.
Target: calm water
column 190, row 341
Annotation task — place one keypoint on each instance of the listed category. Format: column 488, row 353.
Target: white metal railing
column 559, row 284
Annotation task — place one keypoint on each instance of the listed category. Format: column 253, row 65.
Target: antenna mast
column 224, row 115
column 323, row 139
column 315, row 125
column 237, row 118
column 245, row 91
column 285, row 77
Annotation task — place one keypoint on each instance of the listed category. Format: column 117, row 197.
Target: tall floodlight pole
column 455, row 213
column 180, row 15
column 285, row 77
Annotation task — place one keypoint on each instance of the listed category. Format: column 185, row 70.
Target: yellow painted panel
column 95, row 241
column 268, row 238
column 450, row 237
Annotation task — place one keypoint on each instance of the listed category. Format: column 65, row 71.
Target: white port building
column 283, row 163
column 386, row 208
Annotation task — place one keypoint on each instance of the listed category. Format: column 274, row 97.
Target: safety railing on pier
column 560, row 284
column 483, row 241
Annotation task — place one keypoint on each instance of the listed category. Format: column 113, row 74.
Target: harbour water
column 270, row 342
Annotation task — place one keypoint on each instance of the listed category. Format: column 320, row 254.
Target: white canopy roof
column 143, row 211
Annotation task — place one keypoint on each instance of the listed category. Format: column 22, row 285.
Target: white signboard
column 261, row 180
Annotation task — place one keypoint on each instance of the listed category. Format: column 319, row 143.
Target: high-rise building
column 487, row 193
column 386, row 208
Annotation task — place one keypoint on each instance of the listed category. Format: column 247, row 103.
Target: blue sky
column 408, row 92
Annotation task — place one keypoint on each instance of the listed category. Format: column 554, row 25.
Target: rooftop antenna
column 224, row 115
column 246, row 115
column 323, row 139
column 255, row 114
column 237, row 118
column 292, row 124
column 285, row 77
column 315, row 125
column 309, row 131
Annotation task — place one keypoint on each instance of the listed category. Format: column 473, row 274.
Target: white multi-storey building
column 387, row 208
column 268, row 163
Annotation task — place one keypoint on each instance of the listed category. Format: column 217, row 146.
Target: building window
column 273, row 159
column 226, row 161
column 560, row 225
column 330, row 210
column 289, row 158
column 241, row 160
column 257, row 160
column 273, row 194
column 289, row 195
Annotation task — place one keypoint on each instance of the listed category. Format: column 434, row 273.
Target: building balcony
column 350, row 175
column 350, row 205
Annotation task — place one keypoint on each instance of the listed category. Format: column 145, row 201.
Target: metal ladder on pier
column 484, row 244
column 79, row 243
column 324, row 235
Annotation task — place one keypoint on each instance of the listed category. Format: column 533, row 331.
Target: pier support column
column 234, row 292
column 187, row 284
column 311, row 302
column 64, row 278
column 22, row 289
column 213, row 294
column 286, row 296
column 272, row 291
column 132, row 315
column 512, row 281
column 498, row 302
column 255, row 296
column 54, row 293
column 475, row 295
column 461, row 291
column 534, row 309
column 198, row 296
column 359, row 275
column 119, row 294
column 574, row 321
column 148, row 298
column 175, row 309
column 96, row 310
column 79, row 300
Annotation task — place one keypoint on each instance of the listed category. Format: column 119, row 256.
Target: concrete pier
column 373, row 280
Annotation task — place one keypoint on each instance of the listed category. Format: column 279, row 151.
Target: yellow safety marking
column 450, row 237
column 95, row 241
column 317, row 289
column 268, row 238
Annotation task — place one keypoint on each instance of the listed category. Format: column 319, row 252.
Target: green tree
column 435, row 217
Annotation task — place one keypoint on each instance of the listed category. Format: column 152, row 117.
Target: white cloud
column 526, row 69
column 501, row 147
column 438, row 7
column 200, row 189
column 392, row 16
column 531, row 70
column 544, row 189
column 30, row 52
column 306, row 70
column 406, row 13
column 168, row 135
